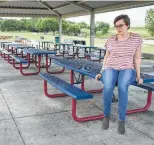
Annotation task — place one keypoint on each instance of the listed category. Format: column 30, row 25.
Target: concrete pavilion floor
column 28, row 117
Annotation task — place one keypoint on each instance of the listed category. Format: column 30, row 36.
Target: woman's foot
column 121, row 127
column 105, row 123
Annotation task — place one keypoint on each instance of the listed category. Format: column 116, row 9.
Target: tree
column 20, row 25
column 39, row 26
column 65, row 26
column 49, row 25
column 9, row 25
column 29, row 26
column 149, row 21
column 23, row 23
column 83, row 25
column 85, row 32
column 101, row 26
column 105, row 30
column 1, row 22
column 74, row 29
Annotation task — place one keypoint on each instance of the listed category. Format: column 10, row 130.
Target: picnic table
column 90, row 69
column 44, row 44
column 36, row 52
column 16, row 47
column 87, row 50
column 62, row 49
column 2, row 43
column 96, row 55
column 7, row 51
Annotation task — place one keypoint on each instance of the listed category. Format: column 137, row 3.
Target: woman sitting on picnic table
column 122, row 65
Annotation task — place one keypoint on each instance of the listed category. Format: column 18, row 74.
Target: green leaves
column 149, row 21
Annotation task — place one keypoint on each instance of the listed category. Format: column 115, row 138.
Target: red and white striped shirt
column 122, row 52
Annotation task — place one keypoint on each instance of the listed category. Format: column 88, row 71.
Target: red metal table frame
column 37, row 54
column 74, row 102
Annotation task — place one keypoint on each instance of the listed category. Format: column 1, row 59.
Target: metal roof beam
column 21, row 8
column 79, row 2
column 124, row 5
column 87, row 8
column 49, row 8
column 62, row 6
column 24, row 15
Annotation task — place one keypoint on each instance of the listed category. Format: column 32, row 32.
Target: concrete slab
column 45, row 121
column 59, row 129
column 17, row 85
column 9, row 134
column 35, row 102
column 4, row 112
column 142, row 122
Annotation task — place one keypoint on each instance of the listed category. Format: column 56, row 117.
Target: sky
column 137, row 16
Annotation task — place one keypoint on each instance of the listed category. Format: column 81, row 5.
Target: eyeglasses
column 119, row 26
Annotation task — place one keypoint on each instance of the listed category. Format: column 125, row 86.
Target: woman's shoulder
column 137, row 39
column 112, row 37
column 135, row 35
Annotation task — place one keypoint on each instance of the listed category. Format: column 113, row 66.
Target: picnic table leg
column 16, row 53
column 52, row 95
column 78, row 49
column 10, row 61
column 83, row 119
column 145, row 108
column 90, row 91
column 6, row 56
column 17, row 67
column 74, row 109
column 33, row 73
column 100, row 53
column 42, row 66
column 1, row 54
column 47, row 67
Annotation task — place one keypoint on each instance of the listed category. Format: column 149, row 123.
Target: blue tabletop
column 85, row 67
column 100, row 49
column 64, row 44
column 95, row 55
column 85, row 46
column 2, row 41
column 18, row 46
column 45, row 41
column 90, row 68
column 38, row 51
column 12, row 44
column 22, row 47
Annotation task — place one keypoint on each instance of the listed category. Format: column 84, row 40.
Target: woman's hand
column 98, row 76
column 139, row 80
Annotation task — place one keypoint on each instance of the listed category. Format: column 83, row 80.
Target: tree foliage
column 51, row 25
column 149, row 21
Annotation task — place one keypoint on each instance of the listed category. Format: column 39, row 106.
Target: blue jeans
column 124, row 78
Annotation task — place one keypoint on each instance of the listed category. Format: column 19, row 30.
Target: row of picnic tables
column 29, row 54
column 29, row 51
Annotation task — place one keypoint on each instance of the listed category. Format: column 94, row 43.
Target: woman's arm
column 98, row 76
column 104, row 60
column 137, row 61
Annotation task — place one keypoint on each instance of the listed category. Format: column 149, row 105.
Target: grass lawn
column 141, row 31
column 148, row 49
column 98, row 41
